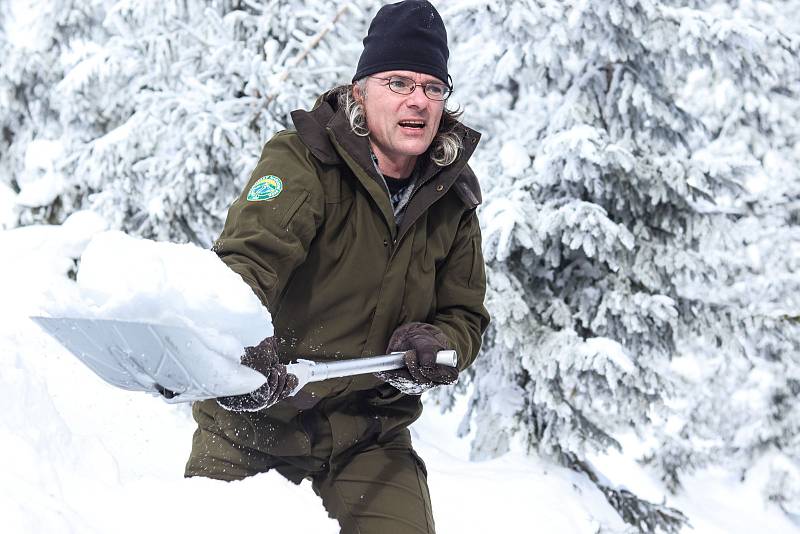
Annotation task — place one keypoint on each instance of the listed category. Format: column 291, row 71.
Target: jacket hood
column 325, row 119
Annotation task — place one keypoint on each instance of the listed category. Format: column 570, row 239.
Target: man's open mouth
column 412, row 124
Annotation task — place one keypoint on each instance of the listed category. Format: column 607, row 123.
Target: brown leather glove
column 421, row 342
column 264, row 359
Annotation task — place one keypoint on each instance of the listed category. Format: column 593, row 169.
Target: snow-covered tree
column 744, row 408
column 601, row 231
column 162, row 120
column 618, row 135
column 36, row 42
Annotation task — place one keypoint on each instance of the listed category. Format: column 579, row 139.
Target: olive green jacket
column 337, row 273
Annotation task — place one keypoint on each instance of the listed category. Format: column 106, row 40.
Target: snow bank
column 124, row 278
column 513, row 493
column 79, row 456
column 37, row 260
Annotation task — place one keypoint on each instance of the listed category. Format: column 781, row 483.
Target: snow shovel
column 143, row 357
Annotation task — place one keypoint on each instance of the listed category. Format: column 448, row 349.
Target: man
column 358, row 232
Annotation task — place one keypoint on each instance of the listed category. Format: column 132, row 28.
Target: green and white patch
column 265, row 188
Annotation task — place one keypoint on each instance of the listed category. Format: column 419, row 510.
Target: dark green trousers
column 375, row 485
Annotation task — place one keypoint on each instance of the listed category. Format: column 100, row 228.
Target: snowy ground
column 80, row 456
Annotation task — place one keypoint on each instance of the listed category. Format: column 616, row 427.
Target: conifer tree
column 601, row 227
column 165, row 116
column 37, row 40
column 744, row 408
column 611, row 183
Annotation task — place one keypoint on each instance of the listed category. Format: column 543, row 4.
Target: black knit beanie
column 408, row 35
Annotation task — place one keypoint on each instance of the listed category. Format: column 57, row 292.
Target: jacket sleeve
column 460, row 290
column 265, row 240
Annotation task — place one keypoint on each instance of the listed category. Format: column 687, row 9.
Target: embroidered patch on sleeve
column 265, row 188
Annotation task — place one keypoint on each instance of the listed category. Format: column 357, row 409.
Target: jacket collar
column 326, row 126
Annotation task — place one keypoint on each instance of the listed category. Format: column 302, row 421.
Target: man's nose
column 417, row 99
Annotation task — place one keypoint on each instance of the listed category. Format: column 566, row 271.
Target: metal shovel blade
column 135, row 356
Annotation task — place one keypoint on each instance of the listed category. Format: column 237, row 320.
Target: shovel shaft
column 310, row 371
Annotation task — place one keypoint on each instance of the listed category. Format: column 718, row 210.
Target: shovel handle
column 311, row 371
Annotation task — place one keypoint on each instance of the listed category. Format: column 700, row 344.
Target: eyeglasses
column 405, row 86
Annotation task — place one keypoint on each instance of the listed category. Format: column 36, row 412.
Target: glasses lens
column 436, row 91
column 400, row 85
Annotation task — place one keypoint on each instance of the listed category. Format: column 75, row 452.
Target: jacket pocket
column 293, row 209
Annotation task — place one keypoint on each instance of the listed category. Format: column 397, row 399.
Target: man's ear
column 358, row 95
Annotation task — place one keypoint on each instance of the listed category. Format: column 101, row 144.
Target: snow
column 130, row 279
column 40, row 182
column 78, row 455
column 127, row 278
column 24, row 18
column 608, row 348
column 514, row 158
column 714, row 499
column 99, row 460
column 96, row 454
column 552, row 147
column 513, row 493
column 8, row 199
column 41, row 258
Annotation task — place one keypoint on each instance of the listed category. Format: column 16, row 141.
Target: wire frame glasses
column 405, row 86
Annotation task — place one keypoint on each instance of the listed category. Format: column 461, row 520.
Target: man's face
column 401, row 126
